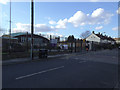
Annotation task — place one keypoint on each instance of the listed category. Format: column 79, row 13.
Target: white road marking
column 29, row 75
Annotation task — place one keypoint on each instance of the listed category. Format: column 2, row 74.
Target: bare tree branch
column 85, row 34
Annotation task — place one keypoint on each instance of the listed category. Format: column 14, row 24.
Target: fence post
column 75, row 45
column 27, row 41
column 81, row 44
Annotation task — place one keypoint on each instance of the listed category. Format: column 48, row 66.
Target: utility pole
column 32, row 27
column 10, row 31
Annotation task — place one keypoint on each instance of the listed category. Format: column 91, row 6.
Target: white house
column 117, row 40
column 99, row 38
column 94, row 38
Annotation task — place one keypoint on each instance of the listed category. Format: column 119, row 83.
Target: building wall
column 93, row 37
column 117, row 41
column 104, row 41
column 39, row 41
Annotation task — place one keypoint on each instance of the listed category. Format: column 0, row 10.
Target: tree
column 71, row 38
column 85, row 34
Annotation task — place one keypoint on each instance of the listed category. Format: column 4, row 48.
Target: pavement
column 90, row 70
column 24, row 60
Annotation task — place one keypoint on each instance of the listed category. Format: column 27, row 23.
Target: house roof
column 7, row 37
column 105, row 37
column 116, row 39
column 15, row 35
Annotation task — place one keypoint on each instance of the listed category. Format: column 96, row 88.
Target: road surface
column 92, row 70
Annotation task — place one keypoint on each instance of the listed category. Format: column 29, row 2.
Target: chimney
column 93, row 32
column 99, row 33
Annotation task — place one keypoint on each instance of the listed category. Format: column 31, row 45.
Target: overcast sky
column 62, row 18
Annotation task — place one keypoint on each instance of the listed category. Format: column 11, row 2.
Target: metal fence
column 18, row 50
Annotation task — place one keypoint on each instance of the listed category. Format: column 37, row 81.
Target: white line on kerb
column 29, row 75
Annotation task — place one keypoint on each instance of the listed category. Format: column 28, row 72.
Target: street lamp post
column 32, row 27
column 10, row 31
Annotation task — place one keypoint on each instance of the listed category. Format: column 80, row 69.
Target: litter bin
column 43, row 53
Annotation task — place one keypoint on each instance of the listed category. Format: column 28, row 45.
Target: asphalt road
column 91, row 70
